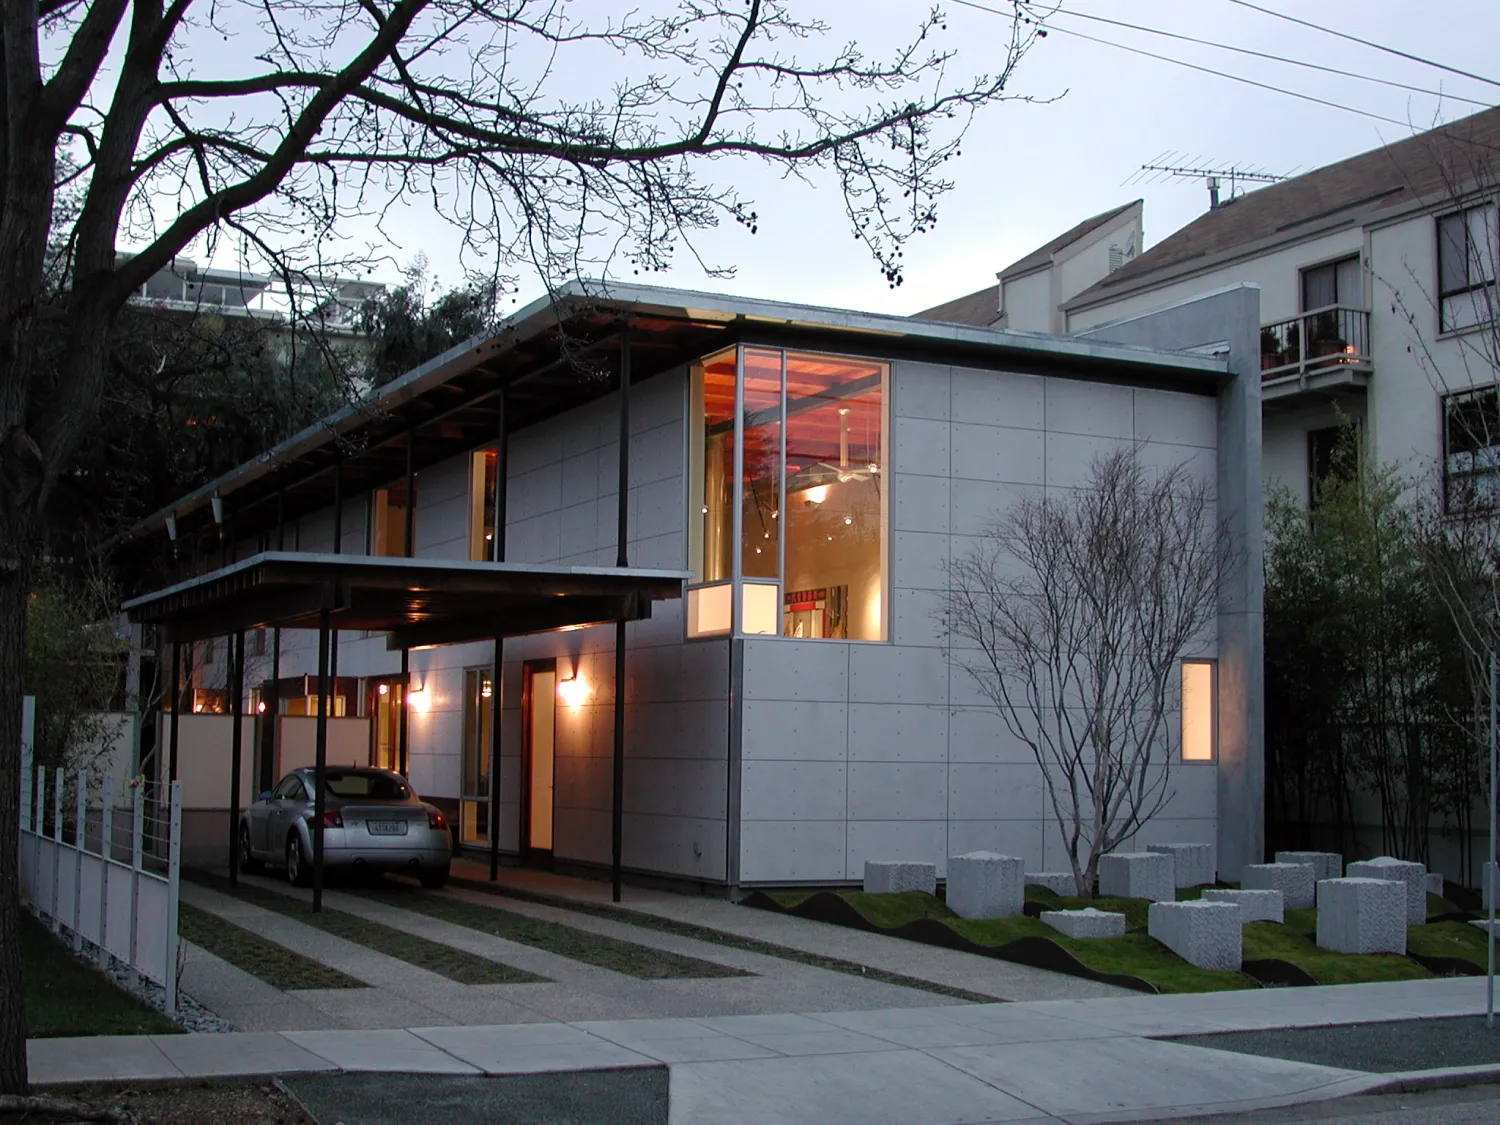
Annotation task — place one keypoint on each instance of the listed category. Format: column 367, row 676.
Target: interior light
column 384, row 689
column 260, row 708
column 816, row 494
column 757, row 550
column 874, row 468
column 485, row 689
column 848, row 520
column 573, row 691
column 705, row 509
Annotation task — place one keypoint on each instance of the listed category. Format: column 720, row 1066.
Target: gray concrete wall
column 1229, row 320
column 854, row 751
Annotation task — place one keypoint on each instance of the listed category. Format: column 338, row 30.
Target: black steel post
column 338, row 549
column 273, row 707
column 497, row 680
column 320, row 764
column 236, row 713
column 176, row 707
column 622, row 559
column 409, row 550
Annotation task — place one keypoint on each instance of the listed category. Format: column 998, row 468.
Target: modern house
column 1378, row 289
column 735, row 676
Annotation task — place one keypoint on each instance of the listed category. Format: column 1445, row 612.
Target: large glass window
column 788, row 463
column 1471, row 451
column 388, row 509
column 474, row 821
column 1467, row 243
column 482, row 505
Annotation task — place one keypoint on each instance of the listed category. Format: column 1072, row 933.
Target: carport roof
column 418, row 602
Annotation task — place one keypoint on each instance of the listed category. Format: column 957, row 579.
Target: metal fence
column 100, row 859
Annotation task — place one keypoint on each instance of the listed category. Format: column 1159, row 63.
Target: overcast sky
column 1030, row 171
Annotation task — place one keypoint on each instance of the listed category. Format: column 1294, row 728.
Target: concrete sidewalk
column 1078, row 1061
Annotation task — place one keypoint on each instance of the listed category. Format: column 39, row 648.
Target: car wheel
column 434, row 878
column 297, row 873
column 248, row 863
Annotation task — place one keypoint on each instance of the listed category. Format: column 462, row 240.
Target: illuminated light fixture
column 757, row 550
column 573, row 691
column 874, row 468
column 261, row 707
column 217, row 502
column 816, row 494
column 848, row 521
column 172, row 528
column 384, row 689
column 419, row 700
column 485, row 690
column 705, row 509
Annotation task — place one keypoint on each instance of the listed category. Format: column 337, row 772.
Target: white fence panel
column 121, row 900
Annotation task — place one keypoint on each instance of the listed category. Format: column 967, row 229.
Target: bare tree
column 1071, row 615
column 571, row 139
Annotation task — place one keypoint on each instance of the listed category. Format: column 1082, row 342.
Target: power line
column 1201, row 69
column 1266, row 55
column 1362, row 42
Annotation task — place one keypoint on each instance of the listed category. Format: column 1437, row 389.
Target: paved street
column 1478, row 1105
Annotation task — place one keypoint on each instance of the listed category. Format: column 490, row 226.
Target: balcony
column 1316, row 354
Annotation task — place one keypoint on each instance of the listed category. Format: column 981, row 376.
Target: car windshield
column 377, row 786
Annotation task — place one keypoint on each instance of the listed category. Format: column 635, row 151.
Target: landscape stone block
column 1145, row 875
column 1203, row 933
column 1058, row 882
column 892, row 878
column 986, row 885
column 1484, row 925
column 1255, row 906
column 1325, row 865
column 1089, row 923
column 1434, row 884
column 1413, row 876
column 1357, row 915
column 1192, row 864
column 1294, row 880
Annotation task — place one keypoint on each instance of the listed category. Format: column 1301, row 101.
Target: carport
column 416, row 603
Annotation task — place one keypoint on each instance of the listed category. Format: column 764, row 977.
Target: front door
column 383, row 703
column 540, row 732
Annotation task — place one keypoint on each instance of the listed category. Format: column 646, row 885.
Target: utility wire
column 1200, row 69
column 1363, row 42
column 1264, row 55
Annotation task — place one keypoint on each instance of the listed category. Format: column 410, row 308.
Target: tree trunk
column 13, row 588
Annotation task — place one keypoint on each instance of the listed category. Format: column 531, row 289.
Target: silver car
column 372, row 820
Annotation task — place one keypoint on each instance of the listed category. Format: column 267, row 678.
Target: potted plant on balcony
column 1271, row 356
column 1326, row 340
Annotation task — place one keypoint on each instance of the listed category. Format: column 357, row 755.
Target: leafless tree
column 1071, row 615
column 572, row 139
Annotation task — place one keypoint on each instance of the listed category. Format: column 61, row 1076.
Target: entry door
column 541, row 727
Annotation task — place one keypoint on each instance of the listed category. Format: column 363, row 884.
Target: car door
column 286, row 802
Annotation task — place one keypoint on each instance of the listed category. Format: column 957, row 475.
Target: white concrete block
column 1484, row 925
column 1192, row 864
column 1434, row 884
column 1413, row 876
column 986, row 885
column 1325, row 865
column 1137, row 875
column 1484, row 887
column 887, row 878
column 1294, row 880
column 1089, row 923
column 1362, row 915
column 1255, row 906
column 1203, row 933
column 1058, row 882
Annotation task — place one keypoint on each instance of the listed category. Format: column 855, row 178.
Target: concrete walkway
column 1077, row 1061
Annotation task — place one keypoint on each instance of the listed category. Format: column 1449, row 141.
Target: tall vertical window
column 1471, row 451
column 789, row 508
column 482, row 505
column 1199, row 710
column 388, row 508
column 1466, row 267
column 474, row 820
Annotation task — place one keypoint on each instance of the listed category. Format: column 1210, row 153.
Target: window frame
column 1470, row 264
column 1445, row 408
column 737, row 581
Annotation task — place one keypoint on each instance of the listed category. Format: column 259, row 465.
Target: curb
column 1439, row 1078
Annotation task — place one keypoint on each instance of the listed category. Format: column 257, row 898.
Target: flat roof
column 417, row 602
column 562, row 350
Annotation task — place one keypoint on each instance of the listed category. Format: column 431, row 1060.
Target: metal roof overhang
column 417, row 602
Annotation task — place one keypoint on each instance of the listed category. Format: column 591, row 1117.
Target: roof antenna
column 1178, row 166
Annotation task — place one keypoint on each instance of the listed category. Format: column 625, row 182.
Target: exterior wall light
column 419, row 700
column 172, row 528
column 573, row 691
column 1200, row 710
column 217, row 503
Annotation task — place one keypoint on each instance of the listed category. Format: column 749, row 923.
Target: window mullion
column 737, row 512
column 781, row 517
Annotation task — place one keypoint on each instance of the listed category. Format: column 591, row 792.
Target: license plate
column 386, row 827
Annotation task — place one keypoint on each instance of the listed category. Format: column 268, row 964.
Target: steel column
column 497, row 678
column 273, row 708
column 176, row 707
column 622, row 559
column 320, row 765
column 409, row 545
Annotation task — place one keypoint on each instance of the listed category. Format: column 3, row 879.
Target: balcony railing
column 1324, row 346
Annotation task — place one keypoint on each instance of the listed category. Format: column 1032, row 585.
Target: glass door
column 541, row 728
column 383, row 703
column 474, row 806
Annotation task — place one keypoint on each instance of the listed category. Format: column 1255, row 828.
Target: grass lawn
column 67, row 996
column 640, row 961
column 1449, row 939
column 455, row 964
column 275, row 964
column 1268, row 941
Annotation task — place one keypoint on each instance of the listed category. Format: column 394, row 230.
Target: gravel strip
column 1379, row 1048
